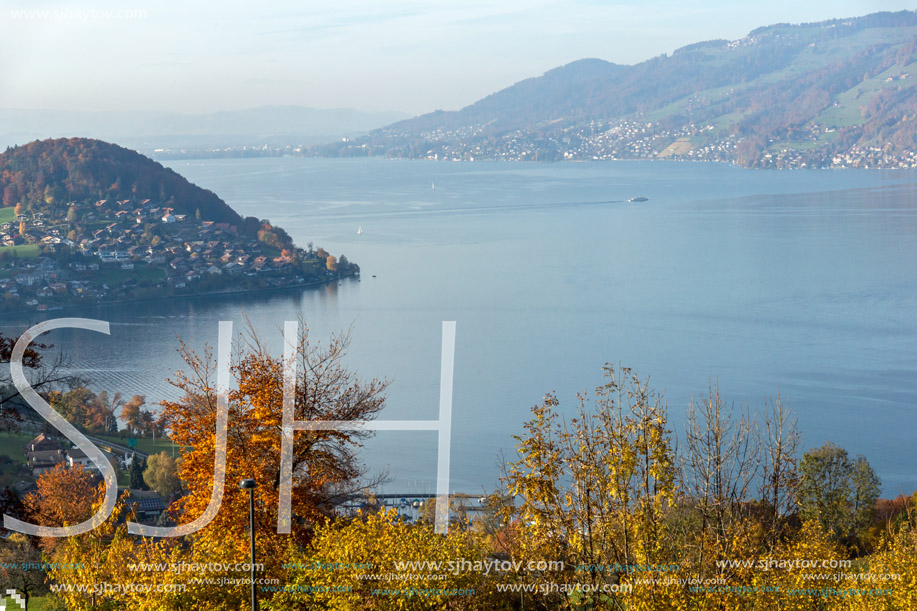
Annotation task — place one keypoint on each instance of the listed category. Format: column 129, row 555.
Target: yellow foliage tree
column 328, row 574
column 594, row 492
column 893, row 568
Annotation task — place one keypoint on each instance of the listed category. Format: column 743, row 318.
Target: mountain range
column 807, row 94
column 147, row 130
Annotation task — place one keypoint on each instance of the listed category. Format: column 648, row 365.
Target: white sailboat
column 360, row 230
column 433, row 185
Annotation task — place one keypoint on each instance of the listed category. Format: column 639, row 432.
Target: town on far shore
column 119, row 250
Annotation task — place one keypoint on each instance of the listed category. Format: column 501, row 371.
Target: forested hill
column 828, row 93
column 48, row 174
column 87, row 222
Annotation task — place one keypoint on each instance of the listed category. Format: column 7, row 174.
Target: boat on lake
column 639, row 198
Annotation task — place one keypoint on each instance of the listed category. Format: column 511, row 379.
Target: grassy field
column 848, row 111
column 11, row 447
column 7, row 214
column 116, row 275
column 42, row 603
column 25, row 251
column 11, row 444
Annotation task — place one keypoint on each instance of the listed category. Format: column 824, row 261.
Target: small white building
column 76, row 456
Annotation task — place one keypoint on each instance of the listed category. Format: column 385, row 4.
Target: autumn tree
column 150, row 425
column 161, row 474
column 131, row 412
column 105, row 555
column 331, row 263
column 324, row 468
column 796, row 588
column 374, row 543
column 897, row 555
column 22, row 227
column 64, row 496
column 18, row 556
column 594, row 490
column 74, row 405
column 102, row 418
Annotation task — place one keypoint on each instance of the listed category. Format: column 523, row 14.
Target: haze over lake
column 802, row 282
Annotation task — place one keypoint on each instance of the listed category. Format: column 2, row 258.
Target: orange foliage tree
column 325, row 467
column 65, row 496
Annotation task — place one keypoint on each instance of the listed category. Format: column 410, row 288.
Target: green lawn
column 42, row 603
column 25, row 251
column 7, row 215
column 116, row 275
column 11, row 444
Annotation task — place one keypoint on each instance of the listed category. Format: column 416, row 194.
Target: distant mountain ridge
column 149, row 130
column 793, row 92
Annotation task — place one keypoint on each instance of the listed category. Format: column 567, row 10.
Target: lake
column 802, row 282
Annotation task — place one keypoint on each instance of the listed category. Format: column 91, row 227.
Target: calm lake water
column 799, row 282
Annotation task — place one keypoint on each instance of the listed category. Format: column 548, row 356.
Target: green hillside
column 807, row 93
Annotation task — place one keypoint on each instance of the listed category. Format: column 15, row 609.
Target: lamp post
column 249, row 484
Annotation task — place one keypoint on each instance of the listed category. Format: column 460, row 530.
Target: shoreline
column 6, row 315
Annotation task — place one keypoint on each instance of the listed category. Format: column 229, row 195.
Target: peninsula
column 84, row 221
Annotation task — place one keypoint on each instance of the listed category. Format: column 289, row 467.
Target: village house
column 43, row 443
column 42, row 461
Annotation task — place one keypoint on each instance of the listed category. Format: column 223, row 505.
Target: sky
column 412, row 56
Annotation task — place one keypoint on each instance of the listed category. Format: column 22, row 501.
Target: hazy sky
column 409, row 55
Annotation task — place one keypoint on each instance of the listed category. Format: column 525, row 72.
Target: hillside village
column 45, row 453
column 113, row 250
column 627, row 139
column 831, row 94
